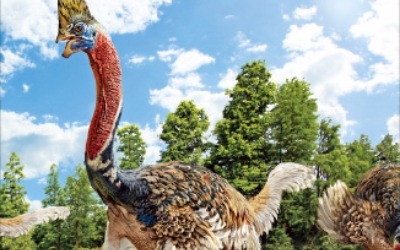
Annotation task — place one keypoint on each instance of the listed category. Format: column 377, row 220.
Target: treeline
column 262, row 125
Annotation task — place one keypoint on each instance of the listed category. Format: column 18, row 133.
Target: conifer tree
column 388, row 151
column 132, row 146
column 12, row 203
column 294, row 122
column 362, row 157
column 52, row 234
column 331, row 160
column 241, row 153
column 83, row 203
column 183, row 132
column 294, row 130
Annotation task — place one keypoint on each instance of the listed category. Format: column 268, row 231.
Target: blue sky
column 174, row 50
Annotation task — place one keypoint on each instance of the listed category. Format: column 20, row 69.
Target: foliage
column 183, row 132
column 132, row 146
column 330, row 160
column 241, row 151
column 294, row 122
column 84, row 204
column 13, row 202
column 261, row 126
column 362, row 157
column 388, row 151
column 52, row 235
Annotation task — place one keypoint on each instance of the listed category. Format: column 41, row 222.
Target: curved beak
column 70, row 39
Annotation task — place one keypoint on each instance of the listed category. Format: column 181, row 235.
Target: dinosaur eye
column 78, row 28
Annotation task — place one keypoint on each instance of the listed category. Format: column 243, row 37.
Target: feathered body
column 370, row 216
column 168, row 205
column 14, row 227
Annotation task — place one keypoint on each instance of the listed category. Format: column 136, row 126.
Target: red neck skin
column 107, row 72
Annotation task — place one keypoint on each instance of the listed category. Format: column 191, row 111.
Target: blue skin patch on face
column 85, row 33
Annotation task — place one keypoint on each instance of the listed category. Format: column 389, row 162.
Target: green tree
column 294, row 130
column 362, row 157
column 183, row 132
column 330, row 161
column 51, row 235
column 81, row 231
column 294, row 125
column 13, row 203
column 241, row 153
column 388, row 151
column 132, row 146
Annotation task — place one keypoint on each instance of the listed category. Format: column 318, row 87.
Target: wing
column 188, row 203
column 14, row 227
column 350, row 219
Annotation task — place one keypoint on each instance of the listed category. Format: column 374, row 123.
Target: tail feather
column 289, row 177
column 14, row 227
column 349, row 219
column 335, row 199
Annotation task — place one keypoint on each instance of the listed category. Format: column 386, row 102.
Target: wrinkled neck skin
column 99, row 145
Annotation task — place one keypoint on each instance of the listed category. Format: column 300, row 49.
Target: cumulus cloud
column 248, row 45
column 189, row 61
column 33, row 204
column 330, row 69
column 393, row 127
column 228, row 80
column 380, row 28
column 191, row 87
column 40, row 144
column 126, row 16
column 305, row 13
column 33, row 22
column 13, row 61
column 138, row 59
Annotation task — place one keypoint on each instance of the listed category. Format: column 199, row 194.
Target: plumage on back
column 14, row 227
column 370, row 216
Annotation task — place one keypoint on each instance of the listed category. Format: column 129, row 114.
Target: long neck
column 107, row 72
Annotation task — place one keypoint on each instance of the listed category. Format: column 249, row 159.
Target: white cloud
column 2, row 91
column 286, row 17
column 126, row 16
column 230, row 17
column 25, row 88
column 393, row 127
column 380, row 28
column 31, row 21
column 186, row 84
column 329, row 69
column 169, row 55
column 138, row 59
column 153, row 143
column 189, row 61
column 40, row 144
column 242, row 39
column 13, row 61
column 33, row 204
column 228, row 80
column 245, row 43
column 257, row 48
column 305, row 13
column 34, row 22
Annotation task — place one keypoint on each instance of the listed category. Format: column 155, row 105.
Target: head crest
column 70, row 11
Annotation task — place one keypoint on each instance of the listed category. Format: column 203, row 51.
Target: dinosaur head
column 77, row 26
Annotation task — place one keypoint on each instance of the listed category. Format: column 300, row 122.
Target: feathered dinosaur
column 17, row 226
column 168, row 205
column 370, row 216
